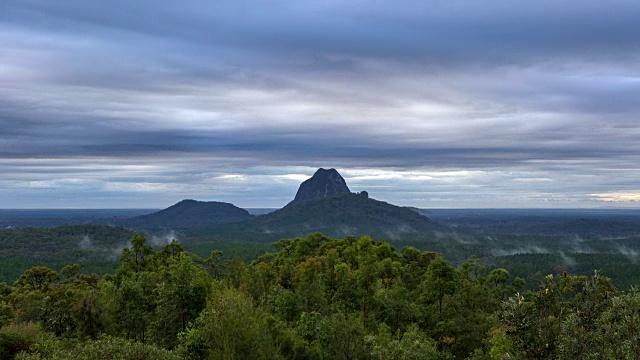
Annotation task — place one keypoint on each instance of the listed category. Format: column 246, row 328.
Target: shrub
column 15, row 338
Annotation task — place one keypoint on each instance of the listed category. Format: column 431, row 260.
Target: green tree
column 231, row 328
column 70, row 271
column 181, row 296
column 137, row 258
column 88, row 315
column 411, row 345
column 343, row 337
column 132, row 315
column 37, row 278
column 212, row 264
column 440, row 280
column 395, row 306
column 498, row 277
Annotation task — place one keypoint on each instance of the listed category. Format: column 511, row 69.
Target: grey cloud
column 197, row 89
column 498, row 30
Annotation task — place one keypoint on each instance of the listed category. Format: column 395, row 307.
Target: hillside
column 47, row 242
column 347, row 214
column 94, row 247
column 189, row 213
column 325, row 204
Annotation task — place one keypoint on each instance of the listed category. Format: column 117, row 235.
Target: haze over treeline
column 427, row 104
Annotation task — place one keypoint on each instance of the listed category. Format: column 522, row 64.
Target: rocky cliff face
column 323, row 183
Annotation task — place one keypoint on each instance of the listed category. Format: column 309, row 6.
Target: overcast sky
column 139, row 104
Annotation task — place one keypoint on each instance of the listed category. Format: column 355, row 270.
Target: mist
column 85, row 243
column 163, row 239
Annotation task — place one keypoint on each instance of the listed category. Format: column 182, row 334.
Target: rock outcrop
column 324, row 183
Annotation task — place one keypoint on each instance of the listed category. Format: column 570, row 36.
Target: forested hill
column 338, row 215
column 40, row 242
column 348, row 214
column 189, row 213
column 96, row 247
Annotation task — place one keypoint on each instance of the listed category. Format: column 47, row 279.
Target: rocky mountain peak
column 323, row 183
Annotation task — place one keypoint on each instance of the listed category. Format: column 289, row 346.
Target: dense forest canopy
column 313, row 298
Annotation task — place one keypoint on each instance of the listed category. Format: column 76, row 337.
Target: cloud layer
column 443, row 104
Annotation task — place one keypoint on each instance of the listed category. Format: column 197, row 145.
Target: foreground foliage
column 314, row 298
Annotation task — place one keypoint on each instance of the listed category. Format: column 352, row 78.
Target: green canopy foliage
column 312, row 298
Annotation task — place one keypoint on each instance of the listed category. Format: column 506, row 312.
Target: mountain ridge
column 323, row 203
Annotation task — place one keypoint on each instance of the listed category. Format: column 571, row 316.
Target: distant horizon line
column 421, row 208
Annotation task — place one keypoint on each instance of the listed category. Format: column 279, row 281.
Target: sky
column 434, row 104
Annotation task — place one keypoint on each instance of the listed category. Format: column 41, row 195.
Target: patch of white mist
column 163, row 239
column 569, row 261
column 85, row 243
column 629, row 253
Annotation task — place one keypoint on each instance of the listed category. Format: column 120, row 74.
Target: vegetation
column 313, row 298
column 95, row 247
column 348, row 214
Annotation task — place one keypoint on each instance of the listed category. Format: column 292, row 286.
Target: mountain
column 189, row 213
column 324, row 204
column 347, row 214
column 323, row 183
